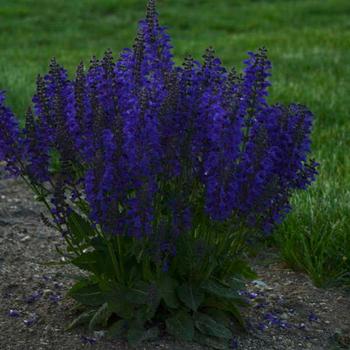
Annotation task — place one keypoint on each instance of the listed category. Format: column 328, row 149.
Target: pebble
column 284, row 316
column 47, row 291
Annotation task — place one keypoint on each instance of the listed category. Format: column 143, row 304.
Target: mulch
column 287, row 311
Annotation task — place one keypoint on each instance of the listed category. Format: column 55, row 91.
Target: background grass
column 309, row 45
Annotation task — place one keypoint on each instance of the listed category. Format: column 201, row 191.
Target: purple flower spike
column 124, row 132
column 14, row 313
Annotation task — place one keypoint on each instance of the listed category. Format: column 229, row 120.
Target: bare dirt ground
column 287, row 311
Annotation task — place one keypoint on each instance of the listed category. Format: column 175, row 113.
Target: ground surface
column 287, row 311
column 307, row 40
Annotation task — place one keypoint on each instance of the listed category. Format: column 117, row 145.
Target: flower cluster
column 10, row 141
column 151, row 145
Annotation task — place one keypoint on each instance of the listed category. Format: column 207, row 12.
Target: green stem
column 114, row 260
column 120, row 256
column 36, row 190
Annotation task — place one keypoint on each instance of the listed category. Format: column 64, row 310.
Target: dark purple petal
column 312, row 317
column 31, row 320
column 234, row 343
column 14, row 313
column 55, row 298
column 34, row 297
column 88, row 340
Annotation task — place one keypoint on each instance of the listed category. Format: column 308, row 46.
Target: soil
column 287, row 311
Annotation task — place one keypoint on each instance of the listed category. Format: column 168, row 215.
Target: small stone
column 47, row 292
column 284, row 316
column 99, row 334
column 260, row 284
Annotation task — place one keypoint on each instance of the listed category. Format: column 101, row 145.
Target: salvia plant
column 157, row 175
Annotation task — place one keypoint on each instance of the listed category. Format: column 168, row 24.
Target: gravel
column 287, row 311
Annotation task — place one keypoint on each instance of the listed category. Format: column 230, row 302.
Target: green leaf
column 219, row 316
column 138, row 293
column 236, row 283
column 79, row 227
column 143, row 293
column 97, row 262
column 207, row 325
column 83, row 206
column 190, row 296
column 54, row 161
column 227, row 306
column 118, row 304
column 137, row 335
column 167, row 286
column 180, row 326
column 83, row 318
column 146, row 312
column 86, row 261
column 211, row 342
column 87, row 293
column 236, row 314
column 146, row 269
column 219, row 290
column 118, row 329
column 100, row 317
column 243, row 269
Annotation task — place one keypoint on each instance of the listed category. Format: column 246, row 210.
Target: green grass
column 308, row 43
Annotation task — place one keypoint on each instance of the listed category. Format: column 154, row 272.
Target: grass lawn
column 309, row 45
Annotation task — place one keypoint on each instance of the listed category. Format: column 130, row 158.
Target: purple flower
column 312, row 317
column 34, row 297
column 261, row 305
column 55, row 298
column 14, row 313
column 11, row 145
column 47, row 278
column 262, row 326
column 234, row 343
column 252, row 295
column 276, row 320
column 88, row 340
column 31, row 320
column 139, row 143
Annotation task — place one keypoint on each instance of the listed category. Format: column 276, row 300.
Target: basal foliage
column 156, row 176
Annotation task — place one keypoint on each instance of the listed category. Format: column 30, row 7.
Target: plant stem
column 120, row 256
column 114, row 260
